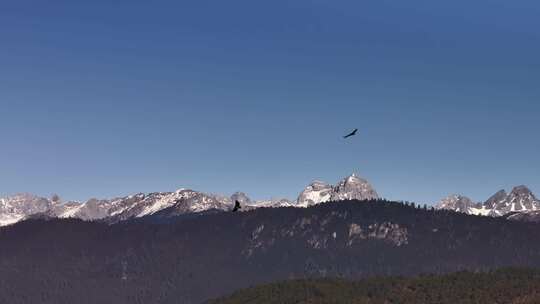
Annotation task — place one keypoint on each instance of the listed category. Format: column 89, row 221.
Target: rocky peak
column 458, row 203
column 521, row 191
column 354, row 187
column 496, row 199
column 315, row 193
column 349, row 188
column 522, row 199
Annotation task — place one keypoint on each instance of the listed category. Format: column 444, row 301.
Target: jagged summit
column 522, row 189
column 521, row 199
column 492, row 202
column 354, row 187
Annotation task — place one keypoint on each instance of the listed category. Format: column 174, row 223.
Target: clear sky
column 106, row 98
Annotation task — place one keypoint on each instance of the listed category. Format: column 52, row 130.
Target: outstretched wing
column 351, row 134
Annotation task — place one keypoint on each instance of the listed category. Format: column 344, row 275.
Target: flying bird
column 351, row 134
column 236, row 206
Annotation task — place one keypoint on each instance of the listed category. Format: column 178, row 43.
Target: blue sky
column 107, row 98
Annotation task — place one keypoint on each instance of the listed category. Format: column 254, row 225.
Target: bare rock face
column 386, row 231
column 496, row 199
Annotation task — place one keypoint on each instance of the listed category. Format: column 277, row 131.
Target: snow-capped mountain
column 495, row 199
column 141, row 204
column 17, row 207
column 315, row 193
column 458, row 203
column 520, row 200
column 167, row 204
column 351, row 187
column 195, row 202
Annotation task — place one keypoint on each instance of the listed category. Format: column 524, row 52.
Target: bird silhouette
column 351, row 134
column 236, row 206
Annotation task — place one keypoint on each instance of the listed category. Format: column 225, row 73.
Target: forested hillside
column 194, row 259
column 507, row 286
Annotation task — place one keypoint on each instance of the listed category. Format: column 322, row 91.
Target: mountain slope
column 197, row 258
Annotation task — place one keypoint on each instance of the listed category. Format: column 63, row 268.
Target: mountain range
column 512, row 205
column 169, row 204
column 519, row 204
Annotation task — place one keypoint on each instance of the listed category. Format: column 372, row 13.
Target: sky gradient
column 101, row 99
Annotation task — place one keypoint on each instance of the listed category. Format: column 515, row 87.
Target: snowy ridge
column 8, row 219
column 184, row 201
column 181, row 201
column 165, row 201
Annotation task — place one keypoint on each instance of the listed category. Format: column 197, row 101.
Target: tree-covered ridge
column 192, row 259
column 508, row 286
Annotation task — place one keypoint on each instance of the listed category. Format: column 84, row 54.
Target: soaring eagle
column 351, row 134
column 236, row 206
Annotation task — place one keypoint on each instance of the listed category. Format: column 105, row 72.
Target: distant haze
column 102, row 99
